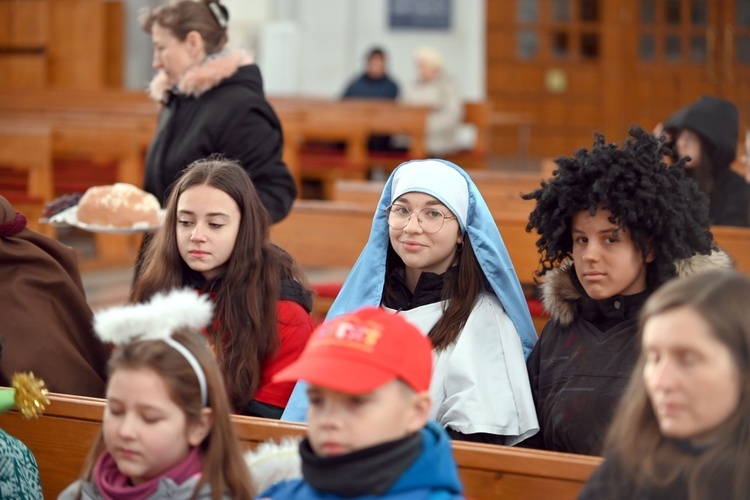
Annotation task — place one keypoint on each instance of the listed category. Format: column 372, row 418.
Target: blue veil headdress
column 365, row 282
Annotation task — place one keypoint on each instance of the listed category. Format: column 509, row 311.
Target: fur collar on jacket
column 559, row 293
column 272, row 462
column 201, row 78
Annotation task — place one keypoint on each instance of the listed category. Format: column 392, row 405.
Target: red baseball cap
column 358, row 352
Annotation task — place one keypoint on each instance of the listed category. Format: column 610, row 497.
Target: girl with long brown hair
column 215, row 238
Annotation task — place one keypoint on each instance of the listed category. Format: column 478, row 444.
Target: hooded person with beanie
column 707, row 131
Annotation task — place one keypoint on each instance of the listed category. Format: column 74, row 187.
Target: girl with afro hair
column 614, row 223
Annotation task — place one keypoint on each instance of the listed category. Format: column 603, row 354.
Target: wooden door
column 734, row 40
column 551, row 60
column 673, row 56
column 579, row 66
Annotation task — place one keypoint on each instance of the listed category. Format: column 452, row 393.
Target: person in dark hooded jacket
column 213, row 102
column 614, row 224
column 707, row 131
column 215, row 238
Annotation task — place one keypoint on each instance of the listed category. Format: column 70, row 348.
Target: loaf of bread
column 118, row 205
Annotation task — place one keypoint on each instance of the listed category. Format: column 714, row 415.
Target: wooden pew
column 478, row 115
column 26, row 170
column 501, row 191
column 61, row 438
column 349, row 122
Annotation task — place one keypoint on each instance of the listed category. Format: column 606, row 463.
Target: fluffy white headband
column 158, row 319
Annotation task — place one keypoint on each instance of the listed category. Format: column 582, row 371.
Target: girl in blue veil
column 435, row 255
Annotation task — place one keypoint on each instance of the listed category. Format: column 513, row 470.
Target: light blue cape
column 364, row 284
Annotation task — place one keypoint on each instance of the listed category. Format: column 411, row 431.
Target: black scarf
column 371, row 471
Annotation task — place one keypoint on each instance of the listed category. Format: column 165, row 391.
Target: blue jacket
column 432, row 476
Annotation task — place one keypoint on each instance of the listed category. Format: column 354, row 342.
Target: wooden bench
column 61, row 438
column 26, row 170
column 501, row 190
column 349, row 122
column 476, row 114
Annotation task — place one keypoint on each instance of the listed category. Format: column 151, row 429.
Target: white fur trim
column 273, row 462
column 201, row 78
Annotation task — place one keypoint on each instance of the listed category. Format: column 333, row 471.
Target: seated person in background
column 215, row 238
column 45, row 320
column 681, row 428
column 707, row 132
column 440, row 92
column 368, row 434
column 436, row 257
column 374, row 83
column 614, row 224
column 166, row 429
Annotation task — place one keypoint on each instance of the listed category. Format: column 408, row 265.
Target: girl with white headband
column 435, row 256
column 166, row 430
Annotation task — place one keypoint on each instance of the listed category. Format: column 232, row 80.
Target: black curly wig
column 655, row 203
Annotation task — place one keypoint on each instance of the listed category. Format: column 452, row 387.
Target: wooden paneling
column 619, row 87
column 77, row 61
column 66, row 44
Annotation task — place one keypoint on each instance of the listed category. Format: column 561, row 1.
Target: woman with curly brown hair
column 215, row 238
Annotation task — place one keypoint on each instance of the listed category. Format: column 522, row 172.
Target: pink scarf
column 114, row 485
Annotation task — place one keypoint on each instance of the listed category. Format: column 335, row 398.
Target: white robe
column 480, row 382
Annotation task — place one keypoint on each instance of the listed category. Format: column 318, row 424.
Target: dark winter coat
column 585, row 355
column 219, row 107
column 372, row 88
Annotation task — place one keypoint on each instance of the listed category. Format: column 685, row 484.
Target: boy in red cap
column 369, row 432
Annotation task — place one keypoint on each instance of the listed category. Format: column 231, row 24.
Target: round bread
column 118, row 205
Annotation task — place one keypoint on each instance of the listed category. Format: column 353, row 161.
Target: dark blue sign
column 420, row 14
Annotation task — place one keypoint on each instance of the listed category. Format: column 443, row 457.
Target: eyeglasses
column 430, row 219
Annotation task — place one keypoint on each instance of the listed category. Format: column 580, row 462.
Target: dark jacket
column 716, row 121
column 610, row 482
column 585, row 355
column 375, row 88
column 219, row 107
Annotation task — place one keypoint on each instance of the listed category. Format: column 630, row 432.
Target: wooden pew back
column 501, row 191
column 61, row 438
column 26, row 169
column 478, row 115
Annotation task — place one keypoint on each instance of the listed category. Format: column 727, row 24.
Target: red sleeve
column 295, row 328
